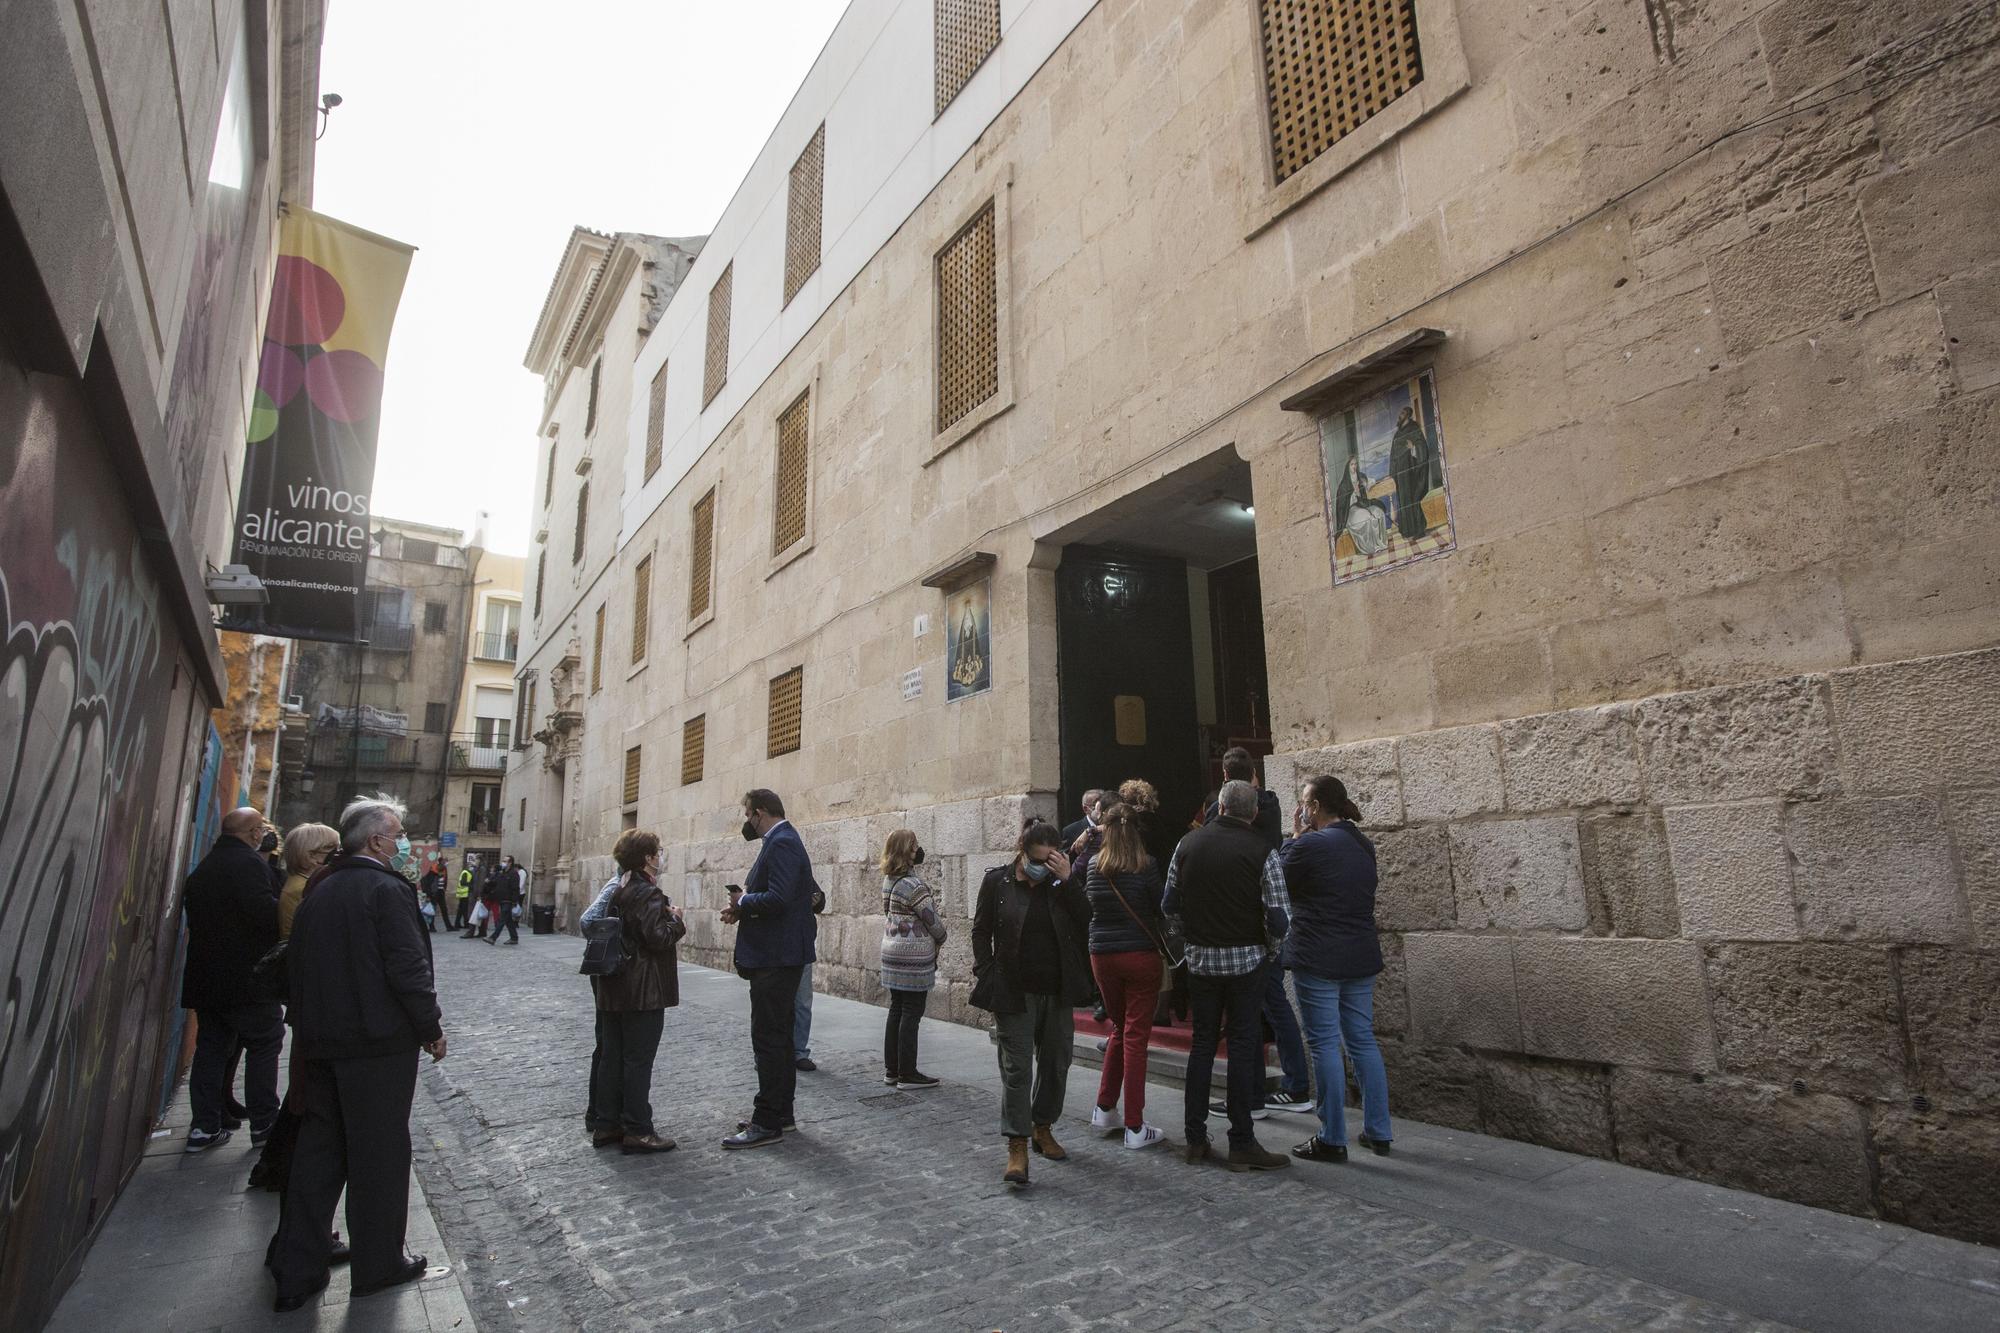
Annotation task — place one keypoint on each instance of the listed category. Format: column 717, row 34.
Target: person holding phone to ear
column 775, row 932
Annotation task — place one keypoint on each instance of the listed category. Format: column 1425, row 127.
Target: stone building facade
column 1576, row 432
column 482, row 729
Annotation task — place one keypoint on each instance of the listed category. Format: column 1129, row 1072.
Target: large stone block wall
column 1748, row 934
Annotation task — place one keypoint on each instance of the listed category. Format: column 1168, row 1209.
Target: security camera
column 330, row 101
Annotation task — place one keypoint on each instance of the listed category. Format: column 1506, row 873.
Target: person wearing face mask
column 632, row 1002
column 363, row 1003
column 776, row 928
column 911, row 934
column 1335, row 956
column 232, row 921
column 1029, row 928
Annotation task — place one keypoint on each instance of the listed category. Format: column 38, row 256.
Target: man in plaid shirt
column 1226, row 895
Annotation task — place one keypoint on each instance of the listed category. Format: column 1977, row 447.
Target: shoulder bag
column 1162, row 945
column 604, row 943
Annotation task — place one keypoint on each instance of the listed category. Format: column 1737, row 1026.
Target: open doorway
column 1161, row 638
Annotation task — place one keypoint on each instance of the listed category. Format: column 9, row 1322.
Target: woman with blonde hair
column 911, row 934
column 1127, row 939
column 306, row 849
column 1144, row 800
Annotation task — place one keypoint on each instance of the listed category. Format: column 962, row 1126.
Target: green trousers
column 1034, row 1047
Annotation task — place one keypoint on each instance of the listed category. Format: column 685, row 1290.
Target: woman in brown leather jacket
column 632, row 1003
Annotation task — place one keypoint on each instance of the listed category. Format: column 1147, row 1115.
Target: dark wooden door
column 1127, row 677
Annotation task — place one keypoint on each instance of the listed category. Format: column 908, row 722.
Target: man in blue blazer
column 774, row 943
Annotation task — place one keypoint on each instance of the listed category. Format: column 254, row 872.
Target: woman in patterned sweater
column 911, row 934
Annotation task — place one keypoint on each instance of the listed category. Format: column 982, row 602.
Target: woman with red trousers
column 1126, row 933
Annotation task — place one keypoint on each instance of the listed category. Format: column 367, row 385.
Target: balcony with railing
column 479, row 752
column 385, row 636
column 496, row 647
column 331, row 749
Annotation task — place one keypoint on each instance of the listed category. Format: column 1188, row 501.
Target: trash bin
column 545, row 919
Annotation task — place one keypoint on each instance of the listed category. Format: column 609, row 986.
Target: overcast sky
column 481, row 134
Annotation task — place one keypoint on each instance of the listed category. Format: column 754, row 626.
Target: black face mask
column 918, row 859
column 750, row 833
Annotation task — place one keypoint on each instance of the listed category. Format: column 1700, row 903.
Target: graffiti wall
column 107, row 769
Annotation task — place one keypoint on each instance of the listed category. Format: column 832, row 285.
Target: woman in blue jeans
column 1334, row 957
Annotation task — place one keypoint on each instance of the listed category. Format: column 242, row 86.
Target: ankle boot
column 1017, row 1162
column 1046, row 1145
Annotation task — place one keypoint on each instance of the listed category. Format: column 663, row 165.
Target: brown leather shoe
column 646, row 1143
column 1046, row 1145
column 1017, row 1162
column 1197, row 1151
column 1256, row 1158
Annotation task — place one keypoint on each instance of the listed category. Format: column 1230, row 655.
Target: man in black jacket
column 232, row 919
column 507, row 895
column 364, row 1002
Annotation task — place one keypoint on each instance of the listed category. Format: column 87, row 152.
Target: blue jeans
column 1342, row 1013
column 1293, row 1076
column 802, row 1016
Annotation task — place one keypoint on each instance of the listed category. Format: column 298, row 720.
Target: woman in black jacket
column 1028, row 931
column 1334, row 956
column 1126, row 932
column 632, row 1003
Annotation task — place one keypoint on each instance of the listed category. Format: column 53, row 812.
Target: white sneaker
column 1103, row 1119
column 1145, row 1136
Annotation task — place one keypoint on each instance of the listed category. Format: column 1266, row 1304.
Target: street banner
column 302, row 517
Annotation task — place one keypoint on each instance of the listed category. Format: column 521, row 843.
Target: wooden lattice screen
column 632, row 776
column 656, row 422
column 590, row 412
column 787, row 704
column 597, row 653
column 694, row 748
column 642, row 607
column 967, row 32
column 715, row 370
column 968, row 369
column 788, row 514
column 700, row 567
column 1331, row 64
column 802, row 214
column 582, row 520
column 541, row 579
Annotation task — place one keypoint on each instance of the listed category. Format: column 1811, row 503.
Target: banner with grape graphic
column 302, row 519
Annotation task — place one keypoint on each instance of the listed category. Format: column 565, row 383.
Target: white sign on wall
column 913, row 683
column 922, row 625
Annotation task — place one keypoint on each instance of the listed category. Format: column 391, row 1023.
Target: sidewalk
column 885, row 1209
column 183, row 1250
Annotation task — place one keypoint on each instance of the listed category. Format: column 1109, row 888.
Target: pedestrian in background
column 465, row 878
column 363, row 1003
column 1335, row 956
column 507, row 902
column 1127, row 941
column 632, row 1002
column 1030, row 928
column 772, row 911
column 1226, row 895
column 232, row 921
column 1077, row 828
column 306, row 849
column 911, row 934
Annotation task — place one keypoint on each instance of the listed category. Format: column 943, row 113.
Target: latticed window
column 968, row 369
column 802, row 214
column 701, row 566
column 694, row 748
column 632, row 776
column 524, row 722
column 549, row 485
column 582, row 518
column 656, row 421
column 715, row 370
column 788, row 514
column 541, row 578
column 597, row 652
column 967, row 32
column 642, row 607
column 785, row 722
column 590, row 411
column 1328, row 66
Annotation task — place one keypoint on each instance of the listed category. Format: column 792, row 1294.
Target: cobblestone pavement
column 886, row 1209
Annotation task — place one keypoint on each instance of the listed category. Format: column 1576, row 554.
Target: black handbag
column 604, row 943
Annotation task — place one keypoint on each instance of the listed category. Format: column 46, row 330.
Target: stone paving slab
column 885, row 1211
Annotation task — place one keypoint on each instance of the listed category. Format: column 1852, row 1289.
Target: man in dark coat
column 364, row 1002
column 1410, row 465
column 507, row 900
column 774, row 942
column 232, row 920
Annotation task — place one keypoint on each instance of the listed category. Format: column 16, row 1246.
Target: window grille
column 1328, row 66
column 967, row 32
column 715, row 371
column 642, row 607
column 788, row 514
column 802, row 214
column 541, row 578
column 694, row 748
column 597, row 653
column 549, row 483
column 968, row 370
column 656, row 422
column 582, row 519
column 785, row 723
column 418, row 551
column 434, row 720
column 632, row 776
column 701, row 567
column 435, row 614
column 590, row 410
column 523, row 825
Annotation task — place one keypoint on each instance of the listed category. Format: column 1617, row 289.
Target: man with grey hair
column 364, row 1002
column 1071, row 832
column 1226, row 893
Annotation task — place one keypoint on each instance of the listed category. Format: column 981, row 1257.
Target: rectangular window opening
column 788, row 513
column 785, row 725
column 1329, row 65
column 656, row 422
column 642, row 608
column 694, row 748
column 967, row 32
column 632, row 776
column 701, row 567
column 803, row 201
column 968, row 351
column 715, row 365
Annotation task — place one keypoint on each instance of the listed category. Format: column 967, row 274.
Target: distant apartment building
column 482, row 728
